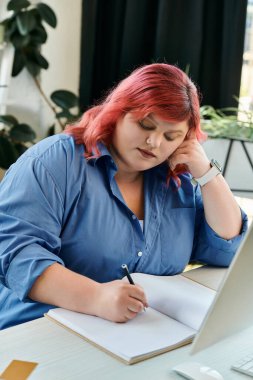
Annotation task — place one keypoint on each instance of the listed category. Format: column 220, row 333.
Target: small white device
column 197, row 371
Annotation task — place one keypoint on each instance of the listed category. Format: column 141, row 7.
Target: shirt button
column 133, row 217
column 139, row 253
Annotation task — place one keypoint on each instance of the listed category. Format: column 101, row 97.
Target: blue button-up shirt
column 55, row 206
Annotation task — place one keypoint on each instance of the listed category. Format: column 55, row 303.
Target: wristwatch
column 212, row 172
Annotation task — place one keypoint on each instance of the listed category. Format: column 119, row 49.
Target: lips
column 146, row 153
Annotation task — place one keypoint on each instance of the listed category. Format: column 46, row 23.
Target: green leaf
column 38, row 35
column 33, row 56
column 20, row 148
column 70, row 118
column 64, row 99
column 42, row 62
column 18, row 63
column 10, row 27
column 22, row 133
column 19, row 41
column 17, row 5
column 32, row 67
column 8, row 154
column 25, row 22
column 64, row 113
column 8, row 120
column 51, row 130
column 47, row 14
column 226, row 123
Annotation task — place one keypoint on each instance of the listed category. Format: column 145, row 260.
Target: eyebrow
column 150, row 118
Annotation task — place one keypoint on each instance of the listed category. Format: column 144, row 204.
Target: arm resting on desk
column 61, row 287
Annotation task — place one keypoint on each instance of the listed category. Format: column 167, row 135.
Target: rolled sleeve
column 31, row 212
column 212, row 249
column 26, row 267
column 209, row 247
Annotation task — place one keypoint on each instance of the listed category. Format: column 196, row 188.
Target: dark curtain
column 204, row 36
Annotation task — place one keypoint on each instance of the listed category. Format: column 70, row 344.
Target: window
column 246, row 90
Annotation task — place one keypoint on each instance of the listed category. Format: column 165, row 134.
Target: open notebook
column 177, row 307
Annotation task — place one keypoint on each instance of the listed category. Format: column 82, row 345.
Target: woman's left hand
column 191, row 153
column 218, row 201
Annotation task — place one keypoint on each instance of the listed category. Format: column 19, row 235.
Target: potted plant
column 230, row 137
column 228, row 123
column 25, row 30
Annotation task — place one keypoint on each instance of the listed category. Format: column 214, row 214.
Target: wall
column 62, row 50
column 239, row 173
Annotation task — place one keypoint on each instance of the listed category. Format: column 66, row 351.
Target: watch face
column 216, row 164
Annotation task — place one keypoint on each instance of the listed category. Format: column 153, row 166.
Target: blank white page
column 182, row 299
column 148, row 332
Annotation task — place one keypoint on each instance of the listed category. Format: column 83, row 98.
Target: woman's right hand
column 119, row 301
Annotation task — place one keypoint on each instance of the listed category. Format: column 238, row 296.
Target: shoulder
column 57, row 145
column 55, row 153
column 57, row 156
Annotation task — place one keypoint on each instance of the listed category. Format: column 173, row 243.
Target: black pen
column 125, row 268
column 131, row 281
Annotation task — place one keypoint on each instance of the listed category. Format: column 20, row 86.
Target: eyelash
column 169, row 138
column 145, row 127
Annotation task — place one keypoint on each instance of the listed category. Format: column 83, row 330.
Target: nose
column 154, row 140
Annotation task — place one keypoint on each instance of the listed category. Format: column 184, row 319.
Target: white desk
column 64, row 356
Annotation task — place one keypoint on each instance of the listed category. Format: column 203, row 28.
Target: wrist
column 199, row 172
column 214, row 170
column 87, row 296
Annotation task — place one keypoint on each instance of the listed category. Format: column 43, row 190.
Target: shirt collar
column 105, row 155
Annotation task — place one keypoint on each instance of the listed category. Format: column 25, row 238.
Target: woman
column 114, row 188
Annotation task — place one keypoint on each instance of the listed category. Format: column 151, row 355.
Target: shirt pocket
column 177, row 235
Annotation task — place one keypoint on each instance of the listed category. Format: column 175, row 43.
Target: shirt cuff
column 219, row 243
column 26, row 267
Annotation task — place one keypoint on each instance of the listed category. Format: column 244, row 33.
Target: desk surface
column 62, row 355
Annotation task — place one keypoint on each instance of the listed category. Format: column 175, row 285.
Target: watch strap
column 212, row 172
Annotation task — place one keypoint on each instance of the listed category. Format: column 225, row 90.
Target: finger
column 135, row 306
column 191, row 134
column 130, row 314
column 191, row 144
column 137, row 292
column 179, row 159
column 182, row 149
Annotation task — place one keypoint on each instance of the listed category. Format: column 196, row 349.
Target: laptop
column 232, row 308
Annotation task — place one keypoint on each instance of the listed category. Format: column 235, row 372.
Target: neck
column 128, row 177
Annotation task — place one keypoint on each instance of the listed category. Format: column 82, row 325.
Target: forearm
column 116, row 300
column 222, row 213
column 61, row 287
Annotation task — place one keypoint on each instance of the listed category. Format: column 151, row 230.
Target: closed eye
column 172, row 136
column 169, row 138
column 146, row 127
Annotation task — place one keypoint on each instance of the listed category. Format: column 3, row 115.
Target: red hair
column 158, row 88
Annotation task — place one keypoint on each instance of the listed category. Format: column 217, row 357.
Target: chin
column 144, row 166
